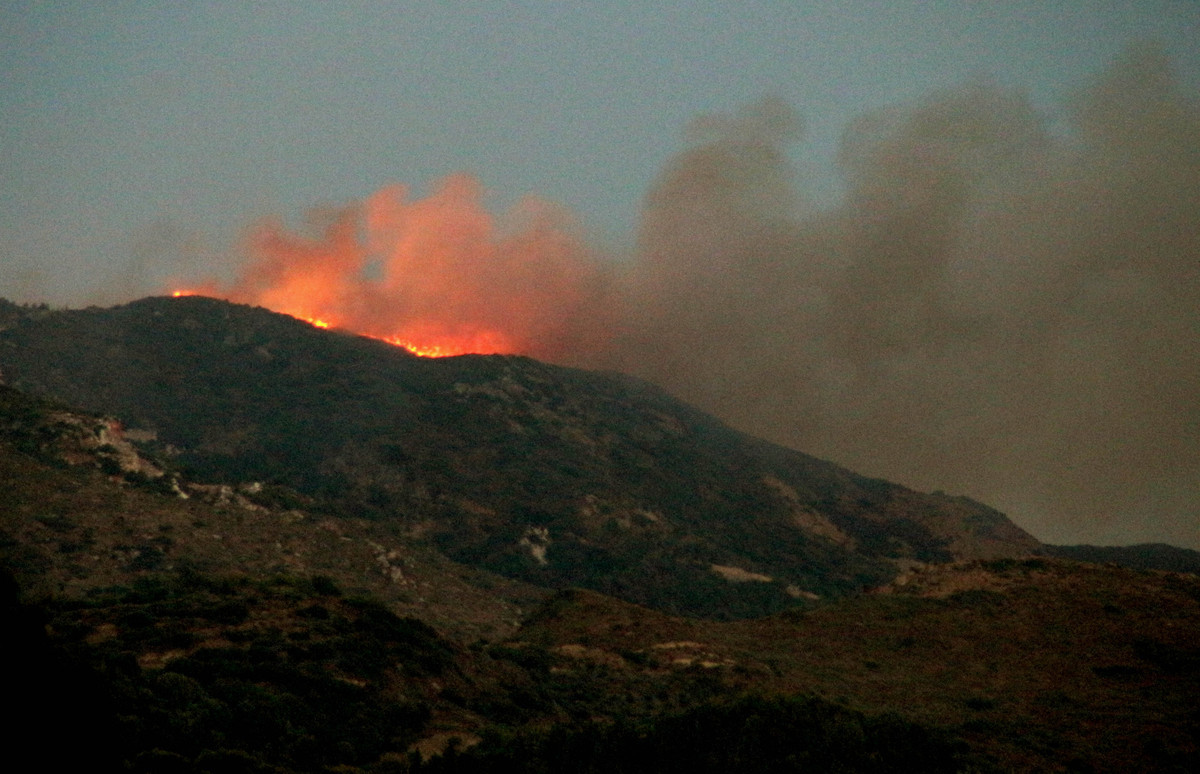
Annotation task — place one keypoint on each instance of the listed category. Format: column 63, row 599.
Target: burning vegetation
column 437, row 276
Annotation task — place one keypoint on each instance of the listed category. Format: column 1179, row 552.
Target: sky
column 863, row 229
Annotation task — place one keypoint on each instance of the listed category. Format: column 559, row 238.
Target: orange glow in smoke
column 438, row 276
column 479, row 343
column 430, row 350
column 427, row 344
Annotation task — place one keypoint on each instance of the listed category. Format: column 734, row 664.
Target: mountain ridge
column 549, row 475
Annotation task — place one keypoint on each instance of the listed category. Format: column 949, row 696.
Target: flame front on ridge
column 436, row 275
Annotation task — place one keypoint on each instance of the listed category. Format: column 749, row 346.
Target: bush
column 753, row 734
column 325, row 586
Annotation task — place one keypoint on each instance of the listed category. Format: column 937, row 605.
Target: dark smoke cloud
column 996, row 308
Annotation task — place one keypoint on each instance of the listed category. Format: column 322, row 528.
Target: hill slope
column 78, row 513
column 1145, row 556
column 554, row 476
column 229, row 632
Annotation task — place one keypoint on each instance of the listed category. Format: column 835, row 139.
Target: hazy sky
column 952, row 244
column 129, row 129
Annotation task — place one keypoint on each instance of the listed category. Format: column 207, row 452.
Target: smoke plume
column 998, row 307
column 437, row 274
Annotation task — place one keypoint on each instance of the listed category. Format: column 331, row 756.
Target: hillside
column 1145, row 556
column 255, row 628
column 186, row 643
column 1038, row 664
column 547, row 475
column 79, row 512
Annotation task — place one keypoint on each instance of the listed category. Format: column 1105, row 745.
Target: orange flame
column 479, row 343
column 432, row 350
column 436, row 276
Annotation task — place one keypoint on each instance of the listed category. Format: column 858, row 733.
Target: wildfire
column 473, row 345
column 486, row 343
column 438, row 276
column 482, row 343
column 431, row 350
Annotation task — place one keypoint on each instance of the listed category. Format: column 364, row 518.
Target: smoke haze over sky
column 959, row 249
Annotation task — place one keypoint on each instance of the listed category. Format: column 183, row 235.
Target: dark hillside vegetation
column 72, row 519
column 1039, row 664
column 1030, row 666
column 742, row 736
column 201, row 674
column 317, row 620
column 1146, row 556
column 553, row 476
column 49, row 691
